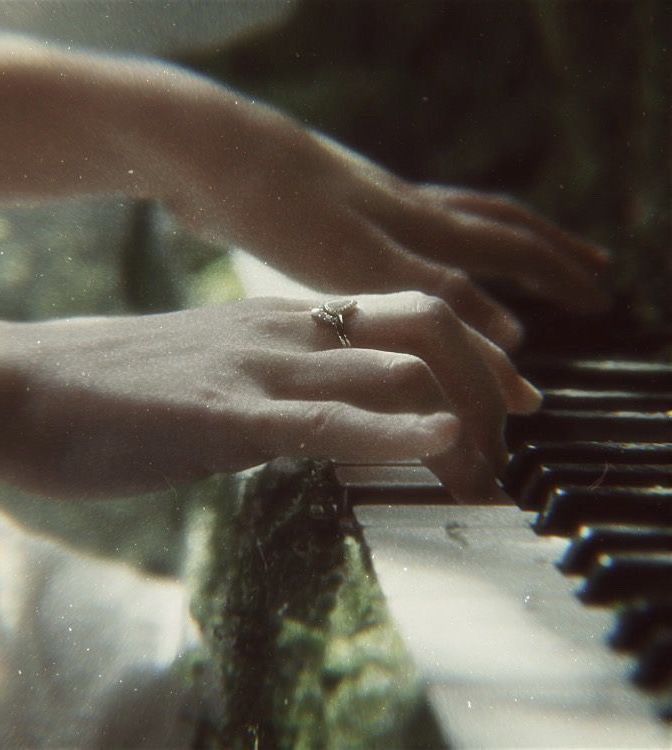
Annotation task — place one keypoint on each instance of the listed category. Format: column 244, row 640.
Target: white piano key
column 510, row 658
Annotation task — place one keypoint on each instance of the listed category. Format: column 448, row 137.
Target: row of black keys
column 596, row 465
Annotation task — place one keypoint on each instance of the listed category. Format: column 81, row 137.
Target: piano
column 546, row 622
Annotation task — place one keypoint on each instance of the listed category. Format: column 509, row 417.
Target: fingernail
column 531, row 396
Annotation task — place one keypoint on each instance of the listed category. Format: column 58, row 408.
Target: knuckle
column 238, row 360
column 270, row 328
column 431, row 309
column 459, row 277
column 257, row 366
column 412, row 299
column 440, row 320
column 407, row 371
column 321, row 416
column 460, row 285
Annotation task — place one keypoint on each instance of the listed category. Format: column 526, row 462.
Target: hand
column 237, row 171
column 342, row 224
column 105, row 406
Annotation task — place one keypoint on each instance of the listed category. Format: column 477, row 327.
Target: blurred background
column 564, row 105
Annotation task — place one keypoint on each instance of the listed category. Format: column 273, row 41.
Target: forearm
column 74, row 124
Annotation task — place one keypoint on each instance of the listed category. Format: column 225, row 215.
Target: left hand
column 240, row 172
column 337, row 222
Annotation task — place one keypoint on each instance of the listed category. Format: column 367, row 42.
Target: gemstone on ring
column 339, row 306
column 332, row 312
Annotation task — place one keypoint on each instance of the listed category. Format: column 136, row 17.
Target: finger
column 402, row 270
column 503, row 209
column 466, row 473
column 520, row 396
column 346, row 433
column 374, row 380
column 515, row 253
column 476, row 308
column 484, row 247
column 424, row 326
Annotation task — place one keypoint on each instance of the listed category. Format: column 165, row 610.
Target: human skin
column 112, row 405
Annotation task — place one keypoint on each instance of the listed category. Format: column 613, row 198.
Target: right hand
column 107, row 406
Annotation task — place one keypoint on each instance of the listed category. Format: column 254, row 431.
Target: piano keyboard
column 548, row 624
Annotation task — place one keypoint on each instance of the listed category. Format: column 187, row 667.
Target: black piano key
column 545, row 478
column 388, row 484
column 549, row 372
column 568, row 508
column 654, row 665
column 618, row 578
column 590, row 425
column 574, row 399
column 637, row 622
column 532, row 454
column 594, row 541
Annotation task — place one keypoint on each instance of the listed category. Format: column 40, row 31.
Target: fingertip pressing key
column 468, row 476
column 530, row 397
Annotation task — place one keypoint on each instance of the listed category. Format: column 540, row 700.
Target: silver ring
column 333, row 313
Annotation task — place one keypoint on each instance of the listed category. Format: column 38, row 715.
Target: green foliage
column 107, row 257
column 297, row 626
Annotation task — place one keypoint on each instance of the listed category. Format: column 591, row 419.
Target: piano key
column 654, row 665
column 592, row 400
column 551, row 372
column 388, row 483
column 590, row 425
column 547, row 477
column 594, row 541
column 533, row 454
column 569, row 508
column 404, row 550
column 636, row 622
column 509, row 658
column 623, row 577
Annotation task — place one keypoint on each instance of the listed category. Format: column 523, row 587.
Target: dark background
column 564, row 105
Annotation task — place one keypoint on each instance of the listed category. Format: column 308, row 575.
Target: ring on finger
column 333, row 313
